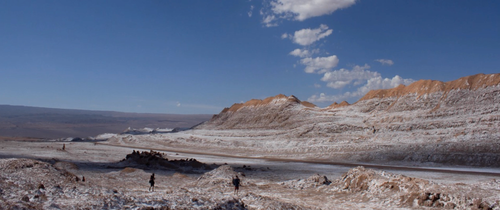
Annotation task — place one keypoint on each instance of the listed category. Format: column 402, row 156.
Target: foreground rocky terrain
column 32, row 184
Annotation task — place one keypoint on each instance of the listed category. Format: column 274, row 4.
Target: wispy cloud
column 284, row 36
column 268, row 21
column 251, row 11
column 385, row 62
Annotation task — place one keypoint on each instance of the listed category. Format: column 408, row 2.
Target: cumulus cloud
column 385, row 62
column 319, row 64
column 300, row 53
column 370, row 81
column 302, row 9
column 340, row 78
column 381, row 83
column 308, row 36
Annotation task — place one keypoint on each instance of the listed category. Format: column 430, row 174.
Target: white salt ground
column 266, row 184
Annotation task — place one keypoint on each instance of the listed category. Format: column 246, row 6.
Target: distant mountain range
column 36, row 122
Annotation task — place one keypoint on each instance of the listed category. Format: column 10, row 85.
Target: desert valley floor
column 112, row 183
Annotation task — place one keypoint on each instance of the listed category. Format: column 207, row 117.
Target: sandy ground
column 267, row 184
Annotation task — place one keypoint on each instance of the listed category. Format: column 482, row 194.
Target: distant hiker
column 64, row 146
column 83, row 178
column 152, row 182
column 374, row 130
column 236, row 183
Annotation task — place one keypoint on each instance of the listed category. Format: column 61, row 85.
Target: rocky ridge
column 425, row 94
column 452, row 122
column 423, row 87
column 272, row 112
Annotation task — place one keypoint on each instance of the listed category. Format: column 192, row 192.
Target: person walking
column 236, row 183
column 152, row 182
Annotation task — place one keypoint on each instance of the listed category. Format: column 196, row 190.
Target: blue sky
column 197, row 57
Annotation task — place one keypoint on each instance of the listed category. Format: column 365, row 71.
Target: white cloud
column 370, row 83
column 178, row 104
column 308, row 36
column 300, row 53
column 316, row 85
column 284, row 36
column 251, row 11
column 303, row 53
column 340, row 78
column 338, row 84
column 381, row 83
column 319, row 64
column 385, row 62
column 324, row 98
column 303, row 9
column 268, row 21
